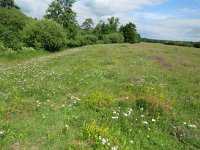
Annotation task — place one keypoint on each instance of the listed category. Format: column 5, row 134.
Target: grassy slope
column 68, row 100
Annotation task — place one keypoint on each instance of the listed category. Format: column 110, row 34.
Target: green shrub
column 100, row 42
column 90, row 39
column 10, row 38
column 73, row 43
column 197, row 45
column 114, row 38
column 44, row 34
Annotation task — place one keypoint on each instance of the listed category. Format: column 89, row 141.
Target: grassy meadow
column 113, row 96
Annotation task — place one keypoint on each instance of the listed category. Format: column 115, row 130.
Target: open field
column 120, row 96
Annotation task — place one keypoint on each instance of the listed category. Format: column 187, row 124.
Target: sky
column 156, row 19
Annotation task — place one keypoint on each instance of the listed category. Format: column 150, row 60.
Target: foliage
column 170, row 42
column 61, row 12
column 13, row 19
column 8, row 4
column 44, row 34
column 197, row 45
column 114, row 23
column 130, row 33
column 113, row 38
column 88, row 24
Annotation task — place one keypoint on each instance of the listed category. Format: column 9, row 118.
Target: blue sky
column 159, row 19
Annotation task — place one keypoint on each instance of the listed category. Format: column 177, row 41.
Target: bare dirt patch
column 161, row 61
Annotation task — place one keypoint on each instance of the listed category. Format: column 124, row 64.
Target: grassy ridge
column 122, row 96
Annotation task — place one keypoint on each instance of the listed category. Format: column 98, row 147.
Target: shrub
column 100, row 42
column 44, row 34
column 73, row 43
column 114, row 38
column 197, row 45
column 90, row 39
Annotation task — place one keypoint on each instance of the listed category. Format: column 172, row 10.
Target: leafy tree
column 130, row 33
column 101, row 29
column 13, row 19
column 8, row 4
column 61, row 12
column 88, row 24
column 45, row 34
column 114, row 23
column 12, row 22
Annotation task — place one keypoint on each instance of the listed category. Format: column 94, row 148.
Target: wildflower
column 113, row 117
column 103, row 141
column 192, row 126
column 114, row 148
column 2, row 133
column 125, row 114
column 148, row 136
column 131, row 141
column 153, row 120
column 149, row 129
column 99, row 137
column 142, row 116
column 145, row 122
column 114, row 112
column 184, row 123
column 66, row 126
column 141, row 109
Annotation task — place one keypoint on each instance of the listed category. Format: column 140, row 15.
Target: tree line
column 59, row 28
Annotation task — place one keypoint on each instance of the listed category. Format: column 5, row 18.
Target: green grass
column 121, row 96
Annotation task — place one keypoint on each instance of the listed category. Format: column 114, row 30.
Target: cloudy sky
column 158, row 19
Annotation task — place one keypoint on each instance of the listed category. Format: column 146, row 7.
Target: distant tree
column 61, row 12
column 130, row 33
column 101, row 29
column 8, row 4
column 88, row 24
column 114, row 23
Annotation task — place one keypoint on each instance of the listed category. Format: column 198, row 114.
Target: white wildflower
column 113, row 117
column 125, row 114
column 131, row 141
column 192, row 126
column 99, row 137
column 2, row 133
column 184, row 123
column 141, row 109
column 114, row 148
column 153, row 120
column 142, row 116
column 145, row 122
column 103, row 141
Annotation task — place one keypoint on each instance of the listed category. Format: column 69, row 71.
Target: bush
column 44, row 34
column 114, row 38
column 73, row 43
column 90, row 39
column 100, row 42
column 197, row 45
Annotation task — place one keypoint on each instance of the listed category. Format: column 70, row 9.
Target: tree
column 130, row 33
column 8, row 4
column 45, row 34
column 61, row 12
column 88, row 24
column 114, row 23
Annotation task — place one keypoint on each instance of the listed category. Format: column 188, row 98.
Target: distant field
column 120, row 96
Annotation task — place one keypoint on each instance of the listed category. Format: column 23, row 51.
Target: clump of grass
column 156, row 103
column 99, row 101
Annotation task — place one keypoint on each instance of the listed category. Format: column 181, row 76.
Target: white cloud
column 33, row 8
